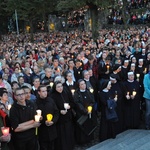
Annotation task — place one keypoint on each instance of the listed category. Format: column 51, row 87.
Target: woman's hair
column 59, row 78
column 79, row 81
column 55, row 84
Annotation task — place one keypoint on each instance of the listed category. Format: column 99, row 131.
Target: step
column 126, row 140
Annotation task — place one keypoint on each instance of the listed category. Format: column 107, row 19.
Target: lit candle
column 89, row 110
column 39, row 112
column 66, row 105
column 116, row 97
column 37, row 118
column 49, row 117
column 9, row 106
column 108, row 68
column 51, row 84
column 128, row 93
column 5, row 130
column 134, row 93
column 145, row 70
column 91, row 90
column 137, row 75
column 72, row 91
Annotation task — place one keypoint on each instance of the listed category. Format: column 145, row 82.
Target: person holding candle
column 4, row 99
column 65, row 128
column 5, row 135
column 131, row 89
column 91, row 85
column 107, row 127
column 117, row 93
column 104, row 68
column 47, row 132
column 84, row 101
column 47, row 78
column 22, row 122
column 69, row 83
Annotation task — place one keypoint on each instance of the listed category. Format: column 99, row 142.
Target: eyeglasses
column 21, row 94
column 27, row 93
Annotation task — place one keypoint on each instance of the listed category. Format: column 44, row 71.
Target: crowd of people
column 53, row 89
column 138, row 17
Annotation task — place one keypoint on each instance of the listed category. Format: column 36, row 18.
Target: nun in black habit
column 107, row 127
column 86, row 120
column 131, row 102
column 117, row 92
column 65, row 128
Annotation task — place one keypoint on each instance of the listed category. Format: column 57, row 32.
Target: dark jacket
column 47, row 105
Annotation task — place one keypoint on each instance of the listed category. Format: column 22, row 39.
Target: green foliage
column 68, row 5
column 28, row 9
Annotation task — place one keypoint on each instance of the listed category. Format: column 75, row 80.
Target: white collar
column 33, row 88
column 124, row 67
column 130, row 81
column 140, row 66
column 82, row 90
column 69, row 83
column 86, row 80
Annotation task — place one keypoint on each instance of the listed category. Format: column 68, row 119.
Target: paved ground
column 96, row 139
column 137, row 139
column 93, row 142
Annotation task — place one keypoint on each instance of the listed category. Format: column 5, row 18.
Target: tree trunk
column 31, row 31
column 125, row 16
column 94, row 20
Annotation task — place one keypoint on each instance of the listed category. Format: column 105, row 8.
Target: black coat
column 116, row 89
column 82, row 101
column 65, row 128
column 47, row 105
column 132, row 106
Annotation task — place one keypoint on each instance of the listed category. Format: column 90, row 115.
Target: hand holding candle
column 91, row 90
column 66, row 106
column 72, row 91
column 137, row 75
column 39, row 112
column 89, row 111
column 49, row 117
column 9, row 106
column 134, row 93
column 108, row 68
column 128, row 96
column 116, row 97
column 51, row 84
column 5, row 130
column 145, row 70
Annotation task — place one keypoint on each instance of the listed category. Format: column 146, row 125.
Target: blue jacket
column 146, row 83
